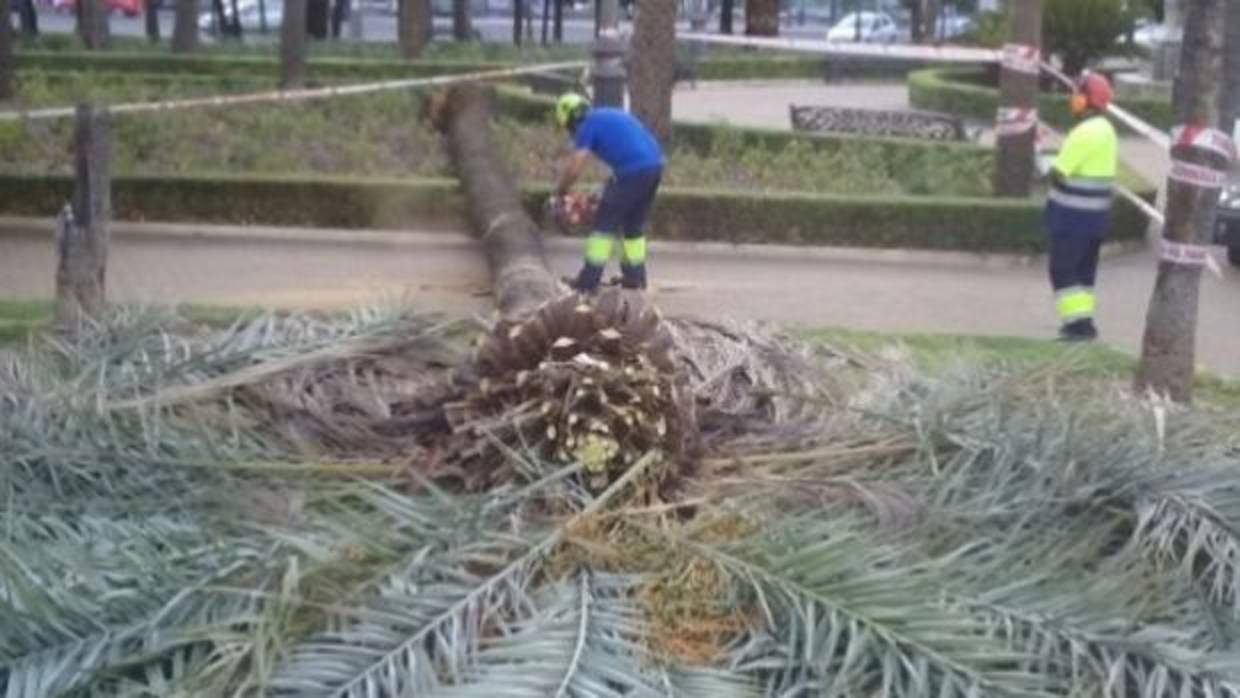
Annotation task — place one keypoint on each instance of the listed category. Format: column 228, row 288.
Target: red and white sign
column 1188, row 255
column 1022, row 58
column 1204, row 138
column 1197, row 175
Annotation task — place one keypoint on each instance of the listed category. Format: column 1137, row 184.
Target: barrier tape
column 930, row 54
column 1188, row 255
column 1022, row 58
column 295, row 95
column 1205, row 138
column 1014, row 121
column 1197, row 175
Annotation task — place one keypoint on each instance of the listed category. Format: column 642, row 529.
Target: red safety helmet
column 1093, row 91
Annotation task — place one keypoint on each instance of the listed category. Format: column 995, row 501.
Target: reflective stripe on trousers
column 1075, row 303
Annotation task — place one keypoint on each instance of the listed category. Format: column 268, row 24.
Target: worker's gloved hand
column 1043, row 161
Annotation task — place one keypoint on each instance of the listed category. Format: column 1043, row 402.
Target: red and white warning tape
column 1189, row 255
column 296, row 95
column 1197, row 175
column 1014, row 121
column 1203, row 138
column 1022, row 58
column 928, row 54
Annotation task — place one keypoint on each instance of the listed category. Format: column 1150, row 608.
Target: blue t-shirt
column 618, row 139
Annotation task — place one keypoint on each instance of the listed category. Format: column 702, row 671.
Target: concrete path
column 904, row 292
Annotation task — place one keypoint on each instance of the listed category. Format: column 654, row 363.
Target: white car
column 1150, row 35
column 251, row 20
column 869, row 27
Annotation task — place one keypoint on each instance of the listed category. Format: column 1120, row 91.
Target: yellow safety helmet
column 569, row 109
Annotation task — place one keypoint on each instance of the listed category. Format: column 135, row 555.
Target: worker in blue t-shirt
column 636, row 161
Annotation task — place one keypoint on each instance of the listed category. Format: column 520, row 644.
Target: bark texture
column 1168, row 351
column 92, row 24
column 1018, row 90
column 413, row 27
column 82, row 234
column 6, row 53
column 652, row 69
column 293, row 45
column 725, row 16
column 185, row 27
column 510, row 239
column 761, row 17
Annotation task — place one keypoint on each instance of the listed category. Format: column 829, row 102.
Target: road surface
column 793, row 286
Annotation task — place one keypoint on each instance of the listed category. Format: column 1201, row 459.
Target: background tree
column 185, row 27
column 1168, row 352
column 152, row 21
column 6, row 52
column 761, row 17
column 413, row 26
column 29, row 17
column 652, row 66
column 725, row 16
column 293, row 45
column 1229, row 102
column 1019, row 90
column 318, row 13
column 92, row 24
column 462, row 27
column 1082, row 31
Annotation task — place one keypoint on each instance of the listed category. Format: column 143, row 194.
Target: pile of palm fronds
column 179, row 520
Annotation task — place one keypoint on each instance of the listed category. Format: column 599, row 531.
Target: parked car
column 1149, row 34
column 129, row 8
column 1227, row 220
column 869, row 27
column 251, row 18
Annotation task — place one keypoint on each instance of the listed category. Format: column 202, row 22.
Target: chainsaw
column 573, row 213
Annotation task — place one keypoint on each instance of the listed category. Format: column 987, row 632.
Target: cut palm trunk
column 589, row 382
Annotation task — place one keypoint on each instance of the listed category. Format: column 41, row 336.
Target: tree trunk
column 7, row 79
column 762, row 17
column 930, row 20
column 293, row 45
column 1229, row 108
column 92, row 16
column 318, row 18
column 152, row 21
column 725, row 16
column 29, row 18
column 652, row 66
column 517, row 17
column 511, row 241
column 462, row 27
column 1019, row 94
column 557, row 27
column 1168, row 352
column 185, row 27
column 82, row 234
column 414, row 27
column 917, row 20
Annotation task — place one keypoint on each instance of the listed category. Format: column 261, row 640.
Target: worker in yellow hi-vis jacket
column 1078, row 207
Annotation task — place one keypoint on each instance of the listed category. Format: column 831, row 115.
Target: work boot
column 588, row 279
column 1078, row 331
column 633, row 277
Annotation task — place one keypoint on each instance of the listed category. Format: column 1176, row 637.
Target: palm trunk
column 1019, row 91
column 511, row 241
column 414, row 27
column 152, row 22
column 1168, row 352
column 293, row 45
column 185, row 27
column 7, row 80
column 92, row 16
column 762, row 17
column 652, row 66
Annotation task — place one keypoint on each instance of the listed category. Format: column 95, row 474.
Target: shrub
column 1082, row 31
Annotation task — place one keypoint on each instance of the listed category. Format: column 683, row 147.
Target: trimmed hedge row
column 975, row 225
column 234, row 66
column 962, row 92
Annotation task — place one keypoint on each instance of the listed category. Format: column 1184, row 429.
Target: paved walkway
column 444, row 272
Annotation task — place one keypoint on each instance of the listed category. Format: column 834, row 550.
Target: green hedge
column 233, row 66
column 961, row 91
column 976, row 225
